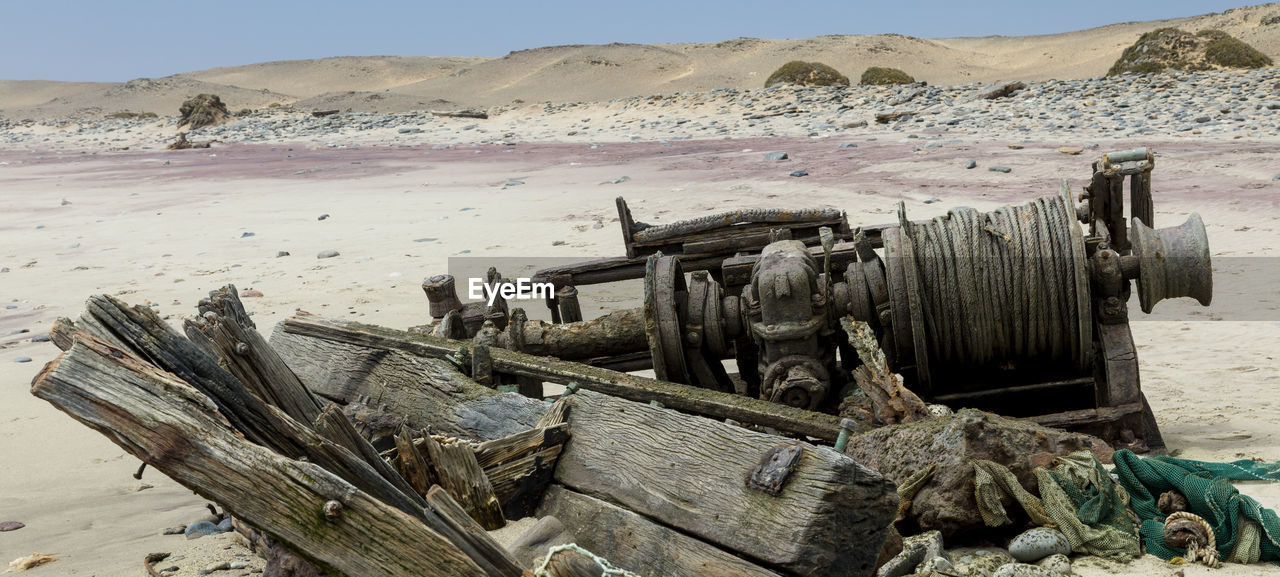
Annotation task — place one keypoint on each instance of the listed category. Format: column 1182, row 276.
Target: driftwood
column 413, row 465
column 140, row 331
column 637, row 544
column 164, row 421
column 829, row 517
column 520, row 467
column 458, row 472
column 443, row 504
column 893, row 402
column 477, row 114
column 225, row 331
column 428, row 393
column 308, row 340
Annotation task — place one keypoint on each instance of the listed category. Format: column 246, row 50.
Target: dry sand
column 167, row 227
column 146, row 231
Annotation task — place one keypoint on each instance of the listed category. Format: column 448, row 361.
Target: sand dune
column 602, row 72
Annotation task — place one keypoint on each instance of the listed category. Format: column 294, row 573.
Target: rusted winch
column 1018, row 310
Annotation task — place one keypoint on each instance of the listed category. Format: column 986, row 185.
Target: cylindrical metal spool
column 977, row 288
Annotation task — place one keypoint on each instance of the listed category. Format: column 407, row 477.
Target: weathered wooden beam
column 637, row 544
column 443, row 504
column 334, row 425
column 307, row 335
column 226, row 332
column 828, row 519
column 413, row 465
column 519, row 484
column 499, row 451
column 426, row 390
column 175, row 428
column 458, row 473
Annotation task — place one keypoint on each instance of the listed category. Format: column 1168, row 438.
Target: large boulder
column 203, row 110
column 947, row 502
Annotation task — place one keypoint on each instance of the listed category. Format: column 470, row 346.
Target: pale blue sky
column 105, row 40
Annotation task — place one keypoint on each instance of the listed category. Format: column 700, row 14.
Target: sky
column 118, row 40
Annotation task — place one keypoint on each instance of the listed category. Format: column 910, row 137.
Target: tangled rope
column 1003, row 284
column 543, row 570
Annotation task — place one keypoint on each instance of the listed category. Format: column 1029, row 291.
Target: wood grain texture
column 304, row 331
column 172, row 426
column 689, row 472
column 458, row 473
column 429, row 393
column 447, row 508
column 637, row 544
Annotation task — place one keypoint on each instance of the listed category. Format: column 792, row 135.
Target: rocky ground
column 1218, row 104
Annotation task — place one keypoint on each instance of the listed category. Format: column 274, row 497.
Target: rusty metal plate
column 774, row 469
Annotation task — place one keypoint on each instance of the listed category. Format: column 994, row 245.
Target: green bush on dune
column 807, row 74
column 1165, row 48
column 1229, row 52
column 877, row 75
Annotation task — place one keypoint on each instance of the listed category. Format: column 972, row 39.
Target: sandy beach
column 97, row 206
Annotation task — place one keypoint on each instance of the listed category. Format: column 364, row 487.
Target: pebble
column 999, row 169
column 1022, row 570
column 175, row 530
column 932, row 200
column 1276, row 177
column 327, row 254
column 776, row 156
column 250, row 293
column 22, row 360
column 198, row 530
column 982, row 563
column 282, row 253
column 226, row 525
column 848, row 145
column 1038, row 543
column 11, row 525
column 1057, row 563
column 323, row 216
column 971, row 164
column 800, row 173
column 238, row 565
column 214, row 567
column 1072, row 150
column 246, row 234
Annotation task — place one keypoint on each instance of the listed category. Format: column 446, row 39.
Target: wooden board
column 636, row 544
column 174, row 428
column 306, row 339
column 427, row 392
column 689, row 472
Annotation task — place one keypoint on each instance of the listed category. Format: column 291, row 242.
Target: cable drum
column 1005, row 285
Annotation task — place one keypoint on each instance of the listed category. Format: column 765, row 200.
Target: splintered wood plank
column 458, row 473
column 164, row 421
column 638, row 544
column 688, row 472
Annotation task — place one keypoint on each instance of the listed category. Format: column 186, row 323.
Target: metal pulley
column 1173, row 262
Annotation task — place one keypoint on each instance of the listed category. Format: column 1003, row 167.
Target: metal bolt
column 846, row 428
column 242, row 348
column 332, row 510
column 570, row 389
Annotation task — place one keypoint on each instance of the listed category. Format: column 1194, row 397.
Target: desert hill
column 601, row 72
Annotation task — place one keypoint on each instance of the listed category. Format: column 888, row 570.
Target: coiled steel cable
column 1001, row 285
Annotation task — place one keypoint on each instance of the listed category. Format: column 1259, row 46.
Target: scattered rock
column 1072, row 150
column 557, row 243
column 327, row 254
column 851, row 144
column 225, row 525
column 323, row 216
column 800, row 173
column 1022, row 570
column 1004, row 169
column 776, row 156
column 936, row 565
column 1057, row 563
column 246, row 234
column 932, row 200
column 198, row 530
column 22, row 360
column 1038, row 543
column 238, row 565
column 210, row 568
column 1001, row 91
column 250, row 293
column 145, row 486
column 971, row 164
column 282, row 253
column 175, row 530
column 1015, row 147
column 982, row 563
column 11, row 525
